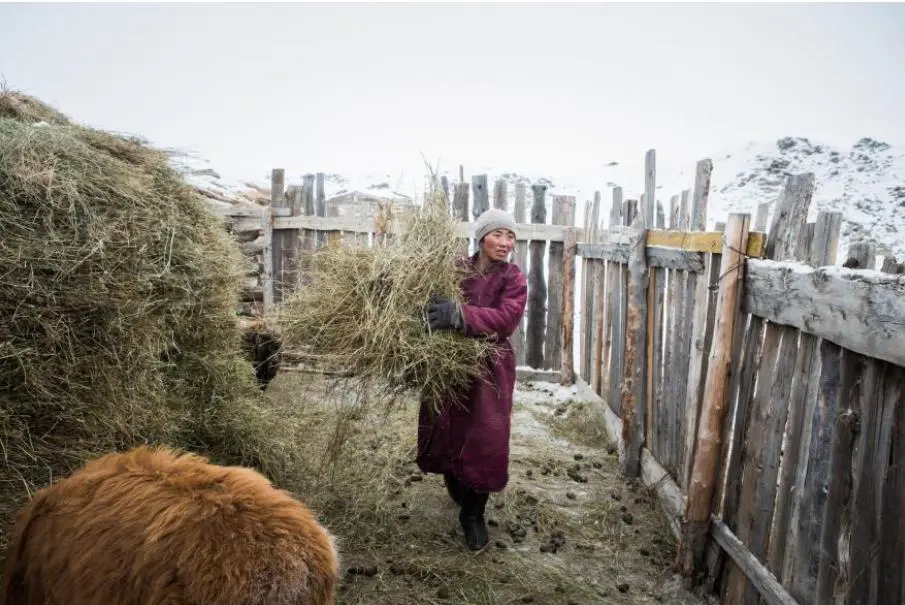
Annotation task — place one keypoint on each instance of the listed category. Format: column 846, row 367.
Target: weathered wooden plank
column 610, row 270
column 716, row 559
column 890, row 265
column 587, row 303
column 633, row 401
column 460, row 201
column 805, row 238
column 320, row 208
column 891, row 551
column 801, row 403
column 760, row 450
column 765, row 582
column 563, row 214
column 664, row 258
column 833, row 561
column 868, row 470
column 590, row 268
column 833, row 570
column 526, row 231
column 309, row 232
column 480, row 195
column 292, row 241
column 709, row 242
column 678, row 372
column 629, row 214
column 713, row 279
column 500, row 192
column 537, row 287
column 444, row 189
column 678, row 421
column 876, row 578
column 650, row 188
column 813, row 498
column 568, row 306
column 856, row 309
column 698, row 288
column 780, row 348
column 278, row 240
column 736, row 428
column 679, row 238
column 672, row 276
column 655, row 300
column 598, row 338
column 705, row 465
column 520, row 258
column 743, row 386
column 266, row 223
column 805, row 564
column 460, row 208
column 763, row 448
column 615, row 292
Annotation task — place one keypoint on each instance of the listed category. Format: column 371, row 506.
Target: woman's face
column 498, row 244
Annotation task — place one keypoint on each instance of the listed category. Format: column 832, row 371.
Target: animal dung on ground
column 362, row 310
column 152, row 526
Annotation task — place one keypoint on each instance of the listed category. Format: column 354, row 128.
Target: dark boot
column 453, row 487
column 471, row 516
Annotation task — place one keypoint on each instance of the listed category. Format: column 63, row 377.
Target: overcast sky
column 522, row 87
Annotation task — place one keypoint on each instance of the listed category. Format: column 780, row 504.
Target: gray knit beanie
column 491, row 220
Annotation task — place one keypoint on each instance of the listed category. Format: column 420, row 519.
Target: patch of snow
column 525, row 424
column 545, row 394
column 199, row 173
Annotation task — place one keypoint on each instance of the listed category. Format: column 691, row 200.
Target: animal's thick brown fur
column 152, row 526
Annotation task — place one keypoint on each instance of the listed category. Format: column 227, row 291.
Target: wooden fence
column 746, row 376
column 297, row 221
column 757, row 385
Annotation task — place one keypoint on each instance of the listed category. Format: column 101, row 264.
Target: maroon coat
column 473, row 443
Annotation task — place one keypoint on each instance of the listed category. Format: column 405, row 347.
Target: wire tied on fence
column 744, row 256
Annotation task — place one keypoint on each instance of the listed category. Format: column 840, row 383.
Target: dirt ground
column 566, row 530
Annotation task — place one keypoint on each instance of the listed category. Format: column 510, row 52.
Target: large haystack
column 117, row 295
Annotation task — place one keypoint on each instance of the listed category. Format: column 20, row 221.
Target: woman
column 469, row 441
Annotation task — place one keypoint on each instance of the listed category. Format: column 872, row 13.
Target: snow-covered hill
column 199, row 173
column 865, row 182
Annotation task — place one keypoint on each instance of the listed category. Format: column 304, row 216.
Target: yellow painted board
column 703, row 241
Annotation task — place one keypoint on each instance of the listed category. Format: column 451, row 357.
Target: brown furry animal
column 155, row 527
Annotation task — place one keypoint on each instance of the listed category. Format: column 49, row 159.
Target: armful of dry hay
column 362, row 309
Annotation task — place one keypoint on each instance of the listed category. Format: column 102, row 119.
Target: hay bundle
column 117, row 296
column 362, row 309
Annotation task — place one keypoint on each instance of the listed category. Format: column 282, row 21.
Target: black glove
column 444, row 314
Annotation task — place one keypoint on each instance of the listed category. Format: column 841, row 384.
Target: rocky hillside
column 865, row 182
column 219, row 188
